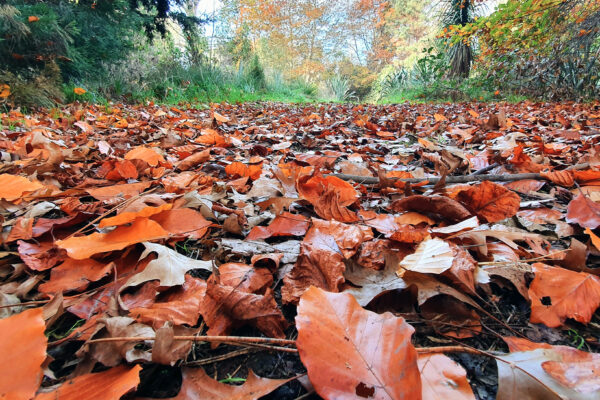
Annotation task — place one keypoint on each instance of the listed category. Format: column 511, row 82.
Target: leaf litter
column 333, row 251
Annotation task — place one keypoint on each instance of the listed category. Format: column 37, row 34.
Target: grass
column 470, row 90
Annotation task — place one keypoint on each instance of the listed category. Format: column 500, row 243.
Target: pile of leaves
column 403, row 251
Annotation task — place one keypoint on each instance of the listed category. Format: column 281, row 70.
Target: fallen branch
column 475, row 177
column 216, row 339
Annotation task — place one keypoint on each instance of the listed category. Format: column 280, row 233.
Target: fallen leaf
column 285, row 224
column 75, row 275
column 548, row 372
column 111, row 353
column 150, row 155
column 13, row 187
column 584, row 212
column 329, row 195
column 353, row 353
column 110, row 384
column 179, row 306
column 490, row 201
column 371, row 283
column 128, row 217
column 169, row 268
column 198, row 385
column 23, row 349
column 557, row 294
column 443, row 378
column 444, row 207
column 141, row 230
column 432, row 256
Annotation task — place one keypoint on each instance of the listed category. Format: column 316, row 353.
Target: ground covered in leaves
column 334, row 251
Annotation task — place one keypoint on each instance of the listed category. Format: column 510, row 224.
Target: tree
column 459, row 13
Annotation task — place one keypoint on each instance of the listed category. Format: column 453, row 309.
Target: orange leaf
column 557, row 294
column 583, row 211
column 124, row 191
column 127, row 217
column 237, row 169
column 198, row 385
column 145, row 154
column 443, row 378
column 285, row 224
column 439, row 117
column 33, row 18
column 329, row 195
column 183, row 221
column 106, row 385
column 561, row 178
column 79, row 91
column 490, row 202
column 4, row 91
column 180, row 305
column 13, row 187
column 210, row 137
column 23, row 349
column 350, row 352
column 75, row 275
column 142, row 230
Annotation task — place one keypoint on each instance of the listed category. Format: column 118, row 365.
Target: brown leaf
column 198, row 385
column 444, row 207
column 321, row 259
column 353, row 353
column 490, row 202
column 584, row 212
column 180, row 305
column 227, row 307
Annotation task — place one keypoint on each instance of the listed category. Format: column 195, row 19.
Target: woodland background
column 194, row 51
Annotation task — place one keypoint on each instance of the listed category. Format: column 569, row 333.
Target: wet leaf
column 352, row 353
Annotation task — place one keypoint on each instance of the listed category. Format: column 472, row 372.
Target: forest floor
column 337, row 251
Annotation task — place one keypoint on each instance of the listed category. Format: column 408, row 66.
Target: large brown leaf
column 321, row 259
column 352, row 353
column 490, row 201
column 329, row 195
column 442, row 206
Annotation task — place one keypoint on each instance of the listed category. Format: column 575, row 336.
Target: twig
column 217, row 339
column 369, row 180
column 485, row 169
column 450, row 349
column 223, row 357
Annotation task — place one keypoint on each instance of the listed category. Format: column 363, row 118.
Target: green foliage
column 339, row 89
column 544, row 48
